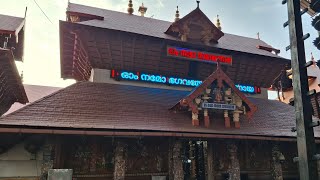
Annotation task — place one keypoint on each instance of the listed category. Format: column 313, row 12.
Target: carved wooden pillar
column 276, row 169
column 227, row 122
column 206, row 118
column 236, row 118
column 177, row 161
column 119, row 161
column 234, row 166
column 195, row 117
column 47, row 163
column 170, row 160
column 210, row 165
column 94, row 158
column 193, row 159
column 58, row 162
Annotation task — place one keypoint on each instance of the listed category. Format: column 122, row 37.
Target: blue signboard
column 170, row 80
column 160, row 79
column 248, row 89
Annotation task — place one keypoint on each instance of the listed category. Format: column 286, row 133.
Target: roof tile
column 156, row 28
column 10, row 23
column 123, row 107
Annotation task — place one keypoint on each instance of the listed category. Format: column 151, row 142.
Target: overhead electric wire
column 42, row 11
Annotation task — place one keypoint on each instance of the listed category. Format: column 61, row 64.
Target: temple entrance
column 194, row 160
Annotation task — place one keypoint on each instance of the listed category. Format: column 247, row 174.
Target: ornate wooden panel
column 289, row 150
column 259, row 155
column 90, row 155
column 147, row 155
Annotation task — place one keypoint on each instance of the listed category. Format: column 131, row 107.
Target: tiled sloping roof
column 123, row 107
column 34, row 92
column 156, row 28
column 10, row 23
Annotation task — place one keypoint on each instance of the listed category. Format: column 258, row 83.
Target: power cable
column 42, row 11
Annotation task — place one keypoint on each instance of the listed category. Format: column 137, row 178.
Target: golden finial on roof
column 218, row 23
column 177, row 15
column 142, row 9
column 130, row 7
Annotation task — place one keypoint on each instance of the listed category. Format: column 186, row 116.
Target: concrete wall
column 103, row 76
column 18, row 163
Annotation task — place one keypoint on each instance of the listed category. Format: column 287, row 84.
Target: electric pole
column 307, row 159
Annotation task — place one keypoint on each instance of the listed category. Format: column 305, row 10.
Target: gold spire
column 130, row 5
column 142, row 9
column 177, row 15
column 218, row 23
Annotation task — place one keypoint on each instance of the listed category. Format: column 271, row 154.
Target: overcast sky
column 246, row 18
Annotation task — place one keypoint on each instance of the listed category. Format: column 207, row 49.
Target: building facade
column 154, row 100
column 11, row 49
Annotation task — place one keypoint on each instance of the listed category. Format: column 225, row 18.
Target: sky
column 41, row 64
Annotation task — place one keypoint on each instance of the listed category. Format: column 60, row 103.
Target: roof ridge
column 99, row 8
column 39, row 100
column 247, row 37
column 106, row 12
column 44, row 86
column 12, row 16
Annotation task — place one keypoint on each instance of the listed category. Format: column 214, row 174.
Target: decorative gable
column 195, row 27
column 217, row 94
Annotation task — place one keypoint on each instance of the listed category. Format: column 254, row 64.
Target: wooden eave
column 247, row 68
column 113, row 133
column 269, row 49
column 89, row 16
column 11, row 88
column 17, row 40
column 74, row 57
column 220, row 76
column 14, row 32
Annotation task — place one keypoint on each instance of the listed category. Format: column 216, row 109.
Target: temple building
column 154, row 100
column 283, row 86
column 11, row 49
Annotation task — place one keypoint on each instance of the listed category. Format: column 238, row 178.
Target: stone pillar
column 119, row 161
column 276, row 169
column 210, row 165
column 234, row 165
column 178, row 173
column 47, row 162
